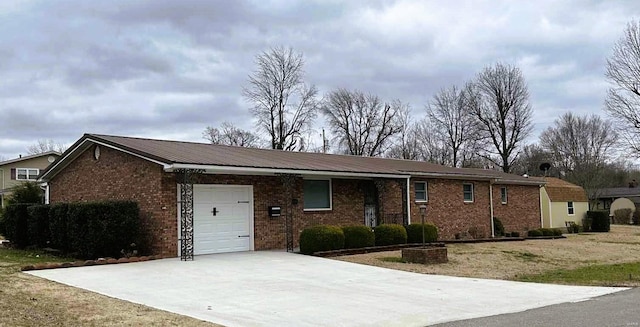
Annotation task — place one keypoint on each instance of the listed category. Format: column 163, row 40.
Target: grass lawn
column 31, row 301
column 581, row 259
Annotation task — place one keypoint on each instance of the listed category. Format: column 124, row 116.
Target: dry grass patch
column 26, row 300
column 512, row 260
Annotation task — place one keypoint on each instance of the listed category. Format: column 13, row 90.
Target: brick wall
column 522, row 210
column 447, row 210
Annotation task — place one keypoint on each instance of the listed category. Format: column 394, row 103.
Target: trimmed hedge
column 599, row 221
column 514, row 234
column 390, row 234
column 16, row 220
column 58, row 228
column 38, row 225
column 103, row 229
column 414, row 233
column 556, row 232
column 498, row 228
column 546, row 231
column 358, row 237
column 534, row 233
column 321, row 238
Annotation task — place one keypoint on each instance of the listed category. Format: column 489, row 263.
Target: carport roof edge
column 177, row 154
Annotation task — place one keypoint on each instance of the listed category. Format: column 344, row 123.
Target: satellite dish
column 545, row 167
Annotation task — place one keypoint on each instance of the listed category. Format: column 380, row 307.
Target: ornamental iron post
column 185, row 178
column 288, row 182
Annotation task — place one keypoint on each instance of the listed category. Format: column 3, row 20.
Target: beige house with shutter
column 23, row 169
column 562, row 202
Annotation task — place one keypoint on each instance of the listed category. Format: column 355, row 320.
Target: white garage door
column 222, row 219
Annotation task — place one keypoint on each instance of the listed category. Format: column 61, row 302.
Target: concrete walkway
column 282, row 289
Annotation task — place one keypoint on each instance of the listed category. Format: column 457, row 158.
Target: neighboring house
column 562, row 202
column 198, row 198
column 612, row 199
column 23, row 169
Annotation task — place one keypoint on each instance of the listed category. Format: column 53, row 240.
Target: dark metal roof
column 204, row 154
column 618, row 192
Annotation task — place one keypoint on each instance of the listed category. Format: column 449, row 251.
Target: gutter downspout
column 408, row 200
column 491, row 207
column 541, row 214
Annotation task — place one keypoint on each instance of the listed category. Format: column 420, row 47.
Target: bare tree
column 228, row 134
column 46, row 145
column 283, row 105
column 581, row 148
column 499, row 100
column 362, row 123
column 623, row 99
column 453, row 122
column 408, row 145
column 530, row 159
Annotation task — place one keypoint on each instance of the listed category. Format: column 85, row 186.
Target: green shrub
column 321, row 238
column 102, row 229
column 556, row 232
column 414, row 233
column 26, row 192
column 599, row 221
column 534, row 233
column 390, row 234
column 358, row 237
column 3, row 230
column 635, row 218
column 38, row 225
column 16, row 220
column 58, row 226
column 573, row 228
column 546, row 231
column 498, row 228
column 514, row 234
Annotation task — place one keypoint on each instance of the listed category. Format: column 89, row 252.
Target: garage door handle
column 243, row 235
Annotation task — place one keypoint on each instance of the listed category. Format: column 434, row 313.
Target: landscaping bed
column 525, row 258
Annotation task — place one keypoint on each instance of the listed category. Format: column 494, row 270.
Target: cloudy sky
column 167, row 69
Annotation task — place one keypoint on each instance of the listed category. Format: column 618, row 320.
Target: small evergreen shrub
column 599, row 221
column 414, row 233
column 514, row 234
column 498, row 228
column 390, row 234
column 556, row 232
column 635, row 218
column 534, row 233
column 26, row 192
column 16, row 219
column 38, row 225
column 358, row 237
column 58, row 228
column 321, row 238
column 546, row 231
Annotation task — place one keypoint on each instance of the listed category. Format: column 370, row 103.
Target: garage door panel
column 227, row 230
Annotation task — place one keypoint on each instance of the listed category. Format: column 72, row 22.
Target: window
column 503, row 194
column 420, row 189
column 570, row 208
column 317, row 194
column 27, row 174
column 467, row 192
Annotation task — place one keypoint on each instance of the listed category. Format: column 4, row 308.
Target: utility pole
column 324, row 142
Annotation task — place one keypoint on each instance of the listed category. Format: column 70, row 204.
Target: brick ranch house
column 200, row 198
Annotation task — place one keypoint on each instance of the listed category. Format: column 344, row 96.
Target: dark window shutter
column 13, row 173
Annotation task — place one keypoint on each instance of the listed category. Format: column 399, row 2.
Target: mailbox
column 274, row 212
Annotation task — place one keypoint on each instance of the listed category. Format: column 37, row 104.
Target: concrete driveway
column 267, row 288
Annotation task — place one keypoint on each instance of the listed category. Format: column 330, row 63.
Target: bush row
column 545, row 232
column 86, row 230
column 328, row 238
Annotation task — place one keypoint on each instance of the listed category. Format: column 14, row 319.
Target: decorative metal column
column 185, row 180
column 288, row 182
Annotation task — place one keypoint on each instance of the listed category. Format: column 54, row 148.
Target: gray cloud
column 168, row 69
